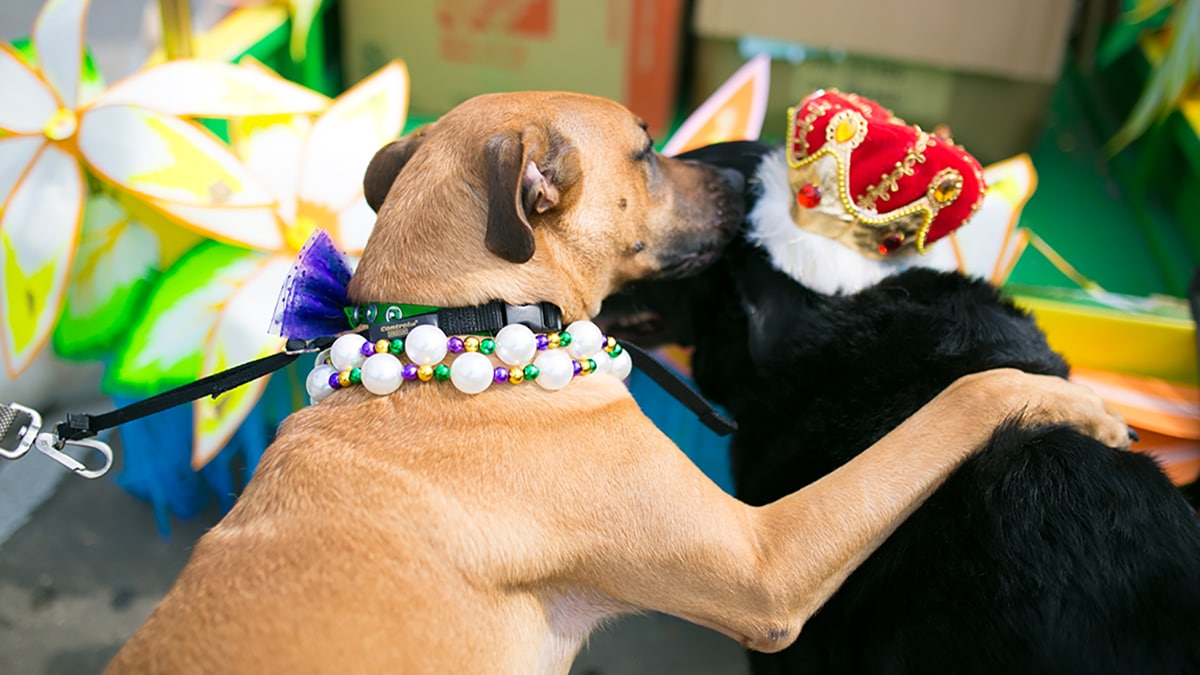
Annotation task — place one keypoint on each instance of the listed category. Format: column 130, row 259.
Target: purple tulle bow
column 312, row 301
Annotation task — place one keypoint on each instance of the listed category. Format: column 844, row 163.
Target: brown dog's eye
column 638, row 246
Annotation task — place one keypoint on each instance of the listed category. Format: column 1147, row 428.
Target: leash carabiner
column 21, row 429
column 49, row 444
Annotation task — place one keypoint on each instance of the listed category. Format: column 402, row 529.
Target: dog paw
column 1046, row 399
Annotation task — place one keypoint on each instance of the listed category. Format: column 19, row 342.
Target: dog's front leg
column 757, row 574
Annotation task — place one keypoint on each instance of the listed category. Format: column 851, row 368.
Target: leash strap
column 680, row 390
column 20, row 427
column 84, row 425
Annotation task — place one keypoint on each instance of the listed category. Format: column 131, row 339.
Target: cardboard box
column 994, row 118
column 991, row 87
column 1016, row 39
column 627, row 50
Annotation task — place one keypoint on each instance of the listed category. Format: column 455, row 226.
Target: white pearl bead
column 471, row 372
column 586, row 339
column 555, row 369
column 603, row 365
column 346, row 351
column 621, row 365
column 516, row 344
column 317, row 383
column 381, row 374
column 425, row 345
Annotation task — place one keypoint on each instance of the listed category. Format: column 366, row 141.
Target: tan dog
column 434, row 532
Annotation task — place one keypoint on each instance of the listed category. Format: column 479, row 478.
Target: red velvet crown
column 889, row 168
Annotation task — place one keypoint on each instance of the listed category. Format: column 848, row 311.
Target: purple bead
column 333, row 381
column 500, row 374
column 543, row 342
column 368, row 348
column 577, row 366
column 454, row 345
column 409, row 372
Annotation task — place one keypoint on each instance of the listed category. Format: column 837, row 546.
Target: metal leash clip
column 21, row 429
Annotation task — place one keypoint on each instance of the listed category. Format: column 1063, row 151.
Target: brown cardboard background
column 994, row 118
column 1019, row 39
column 627, row 50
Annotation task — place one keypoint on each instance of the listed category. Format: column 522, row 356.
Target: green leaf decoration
column 116, row 261
column 166, row 345
column 1138, row 11
column 1176, row 72
column 1121, row 38
column 91, row 80
column 1139, row 17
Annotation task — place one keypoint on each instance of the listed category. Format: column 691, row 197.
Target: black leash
column 680, row 390
column 19, row 426
column 83, row 425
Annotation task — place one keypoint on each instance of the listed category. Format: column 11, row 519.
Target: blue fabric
column 157, row 452
column 709, row 451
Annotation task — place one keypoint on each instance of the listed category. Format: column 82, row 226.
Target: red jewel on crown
column 808, row 195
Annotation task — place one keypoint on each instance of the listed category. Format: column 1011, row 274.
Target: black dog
column 1046, row 553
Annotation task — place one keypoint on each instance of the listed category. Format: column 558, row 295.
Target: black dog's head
column 658, row 312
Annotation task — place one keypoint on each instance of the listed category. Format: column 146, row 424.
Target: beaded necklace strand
column 551, row 360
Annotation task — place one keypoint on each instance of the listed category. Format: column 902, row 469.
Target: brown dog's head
column 532, row 197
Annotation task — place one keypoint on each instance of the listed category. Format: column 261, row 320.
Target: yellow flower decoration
column 131, row 138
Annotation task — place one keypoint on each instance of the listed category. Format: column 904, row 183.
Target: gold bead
column 554, row 340
column 381, row 346
column 425, row 373
column 516, row 375
column 471, row 344
column 610, row 343
column 585, row 367
column 344, row 378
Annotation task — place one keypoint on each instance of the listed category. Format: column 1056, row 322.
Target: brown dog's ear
column 385, row 166
column 516, row 188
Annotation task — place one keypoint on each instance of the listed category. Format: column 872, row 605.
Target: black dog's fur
column 1046, row 553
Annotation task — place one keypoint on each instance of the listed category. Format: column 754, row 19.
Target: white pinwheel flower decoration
column 131, row 139
column 213, row 309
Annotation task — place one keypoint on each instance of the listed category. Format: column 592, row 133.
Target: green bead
column 532, row 372
column 396, row 346
column 591, row 365
column 487, row 346
column 564, row 339
column 441, row 372
column 356, row 375
column 616, row 350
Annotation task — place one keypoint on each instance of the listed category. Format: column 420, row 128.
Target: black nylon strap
column 542, row 317
column 84, row 425
column 680, row 390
